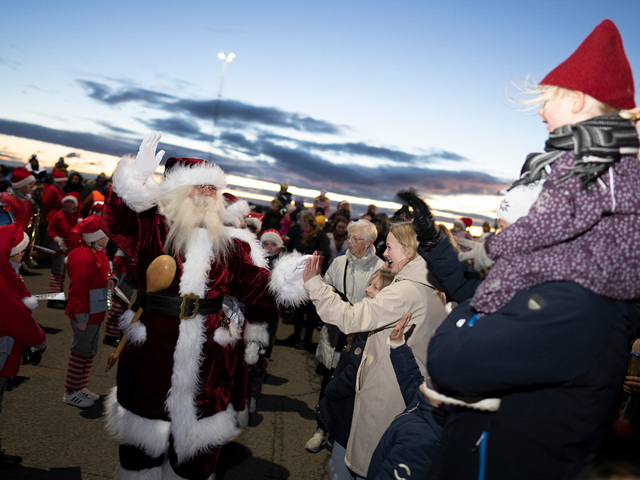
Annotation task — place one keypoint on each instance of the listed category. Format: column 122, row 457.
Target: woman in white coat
column 378, row 397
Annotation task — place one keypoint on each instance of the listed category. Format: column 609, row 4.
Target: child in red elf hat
column 592, row 177
column 18, row 329
column 545, row 332
column 89, row 279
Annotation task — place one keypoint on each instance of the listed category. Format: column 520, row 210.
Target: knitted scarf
column 597, row 144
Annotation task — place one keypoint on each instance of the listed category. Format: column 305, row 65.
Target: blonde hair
column 533, row 95
column 405, row 235
column 385, row 277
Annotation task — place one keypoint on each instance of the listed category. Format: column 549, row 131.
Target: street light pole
column 226, row 58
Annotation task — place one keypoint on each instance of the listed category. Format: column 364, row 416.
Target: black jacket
column 556, row 355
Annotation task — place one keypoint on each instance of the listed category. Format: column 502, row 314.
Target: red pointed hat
column 59, row 176
column 12, row 239
column 599, row 67
column 88, row 230
column 272, row 235
column 73, row 196
column 467, row 221
column 21, row 177
column 192, row 171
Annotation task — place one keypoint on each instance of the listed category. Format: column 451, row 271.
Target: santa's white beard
column 186, row 214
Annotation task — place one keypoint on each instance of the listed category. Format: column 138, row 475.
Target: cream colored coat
column 378, row 398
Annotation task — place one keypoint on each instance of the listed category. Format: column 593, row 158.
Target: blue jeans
column 337, row 468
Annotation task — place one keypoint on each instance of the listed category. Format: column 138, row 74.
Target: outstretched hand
column 313, row 267
column 147, row 160
column 423, row 222
column 397, row 334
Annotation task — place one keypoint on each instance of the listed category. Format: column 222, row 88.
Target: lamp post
column 226, row 59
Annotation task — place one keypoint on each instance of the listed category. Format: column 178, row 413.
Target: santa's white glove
column 147, row 160
column 295, row 275
column 477, row 253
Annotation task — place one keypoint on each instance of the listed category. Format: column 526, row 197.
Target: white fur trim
column 199, row 174
column 152, row 436
column 24, row 243
column 137, row 192
column 93, row 237
column 136, row 333
column 271, row 236
column 30, row 302
column 286, row 284
column 23, row 182
column 234, row 214
column 163, row 472
column 192, row 435
column 71, row 198
column 227, row 336
column 252, row 353
column 258, row 253
column 257, row 332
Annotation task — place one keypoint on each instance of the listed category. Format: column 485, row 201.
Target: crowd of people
column 442, row 355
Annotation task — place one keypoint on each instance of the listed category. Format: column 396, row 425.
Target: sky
column 361, row 98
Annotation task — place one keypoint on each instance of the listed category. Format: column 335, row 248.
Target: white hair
column 368, row 229
column 185, row 214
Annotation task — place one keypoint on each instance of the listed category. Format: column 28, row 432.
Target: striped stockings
column 56, row 283
column 78, row 372
column 112, row 328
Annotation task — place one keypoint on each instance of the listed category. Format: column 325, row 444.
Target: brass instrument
column 32, row 232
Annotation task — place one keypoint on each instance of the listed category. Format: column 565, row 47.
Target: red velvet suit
column 207, row 380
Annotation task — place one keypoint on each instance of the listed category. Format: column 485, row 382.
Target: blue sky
column 359, row 97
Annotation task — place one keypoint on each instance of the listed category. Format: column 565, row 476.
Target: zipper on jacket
column 481, row 445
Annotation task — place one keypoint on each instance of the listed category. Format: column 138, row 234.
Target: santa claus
column 181, row 392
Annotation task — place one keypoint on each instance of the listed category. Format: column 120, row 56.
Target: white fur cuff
column 138, row 193
column 287, row 285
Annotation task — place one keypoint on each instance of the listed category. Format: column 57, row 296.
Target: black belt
column 187, row 306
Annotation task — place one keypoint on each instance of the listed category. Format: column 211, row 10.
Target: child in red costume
column 90, row 276
column 58, row 230
column 18, row 329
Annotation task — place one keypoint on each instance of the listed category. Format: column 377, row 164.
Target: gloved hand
column 147, row 160
column 481, row 261
column 61, row 244
column 423, row 222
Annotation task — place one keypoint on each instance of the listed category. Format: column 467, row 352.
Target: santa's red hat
column 466, row 221
column 271, row 235
column 59, row 176
column 21, row 177
column 192, row 171
column 599, row 67
column 72, row 196
column 235, row 210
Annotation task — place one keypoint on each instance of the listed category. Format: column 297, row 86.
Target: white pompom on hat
column 518, row 201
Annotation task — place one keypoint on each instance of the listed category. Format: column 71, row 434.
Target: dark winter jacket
column 410, row 444
column 458, row 279
column 336, row 407
column 556, row 355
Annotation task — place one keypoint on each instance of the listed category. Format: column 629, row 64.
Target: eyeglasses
column 211, row 188
column 355, row 239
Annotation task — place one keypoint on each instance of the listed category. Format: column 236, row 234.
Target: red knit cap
column 21, row 177
column 599, row 67
column 59, row 176
column 467, row 221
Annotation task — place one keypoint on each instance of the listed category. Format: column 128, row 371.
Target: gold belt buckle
column 196, row 306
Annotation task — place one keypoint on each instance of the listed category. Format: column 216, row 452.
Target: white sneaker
column 252, row 405
column 315, row 443
column 89, row 394
column 77, row 399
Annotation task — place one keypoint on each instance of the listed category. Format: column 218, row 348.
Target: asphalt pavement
column 60, row 441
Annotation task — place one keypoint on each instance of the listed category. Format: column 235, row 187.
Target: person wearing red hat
column 18, row 329
column 53, row 195
column 181, row 384
column 89, row 278
column 58, row 229
column 547, row 331
column 22, row 184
